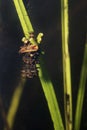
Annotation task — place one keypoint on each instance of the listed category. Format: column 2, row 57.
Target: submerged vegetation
column 70, row 123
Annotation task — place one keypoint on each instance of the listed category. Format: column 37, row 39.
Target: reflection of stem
column 3, row 115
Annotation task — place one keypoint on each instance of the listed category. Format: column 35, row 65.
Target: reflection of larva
column 30, row 58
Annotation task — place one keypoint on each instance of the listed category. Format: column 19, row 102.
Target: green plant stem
column 44, row 78
column 23, row 17
column 81, row 92
column 66, row 65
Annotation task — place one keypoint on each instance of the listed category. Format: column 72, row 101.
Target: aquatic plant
column 66, row 65
column 43, row 75
column 46, row 83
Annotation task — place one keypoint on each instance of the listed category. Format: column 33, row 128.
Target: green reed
column 66, row 65
column 44, row 78
column 43, row 75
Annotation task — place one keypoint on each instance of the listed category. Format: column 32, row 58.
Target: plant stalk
column 66, row 65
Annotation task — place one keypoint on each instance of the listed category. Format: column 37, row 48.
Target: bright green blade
column 50, row 97
column 23, row 17
column 26, row 16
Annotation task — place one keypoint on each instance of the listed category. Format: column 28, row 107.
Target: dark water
column 45, row 16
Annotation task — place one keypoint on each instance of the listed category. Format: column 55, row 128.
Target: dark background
column 33, row 113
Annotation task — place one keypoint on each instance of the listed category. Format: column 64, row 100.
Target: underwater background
column 33, row 113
